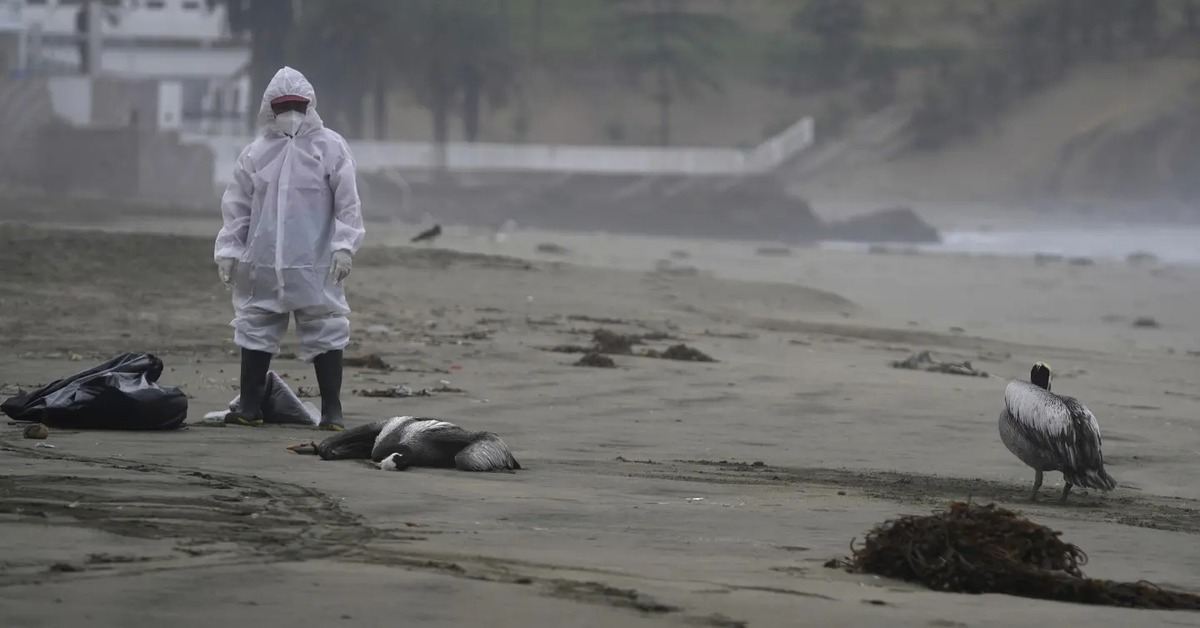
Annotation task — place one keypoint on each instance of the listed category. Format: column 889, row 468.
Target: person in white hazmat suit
column 292, row 225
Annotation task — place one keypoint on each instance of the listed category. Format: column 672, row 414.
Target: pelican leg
column 1037, row 484
column 1066, row 489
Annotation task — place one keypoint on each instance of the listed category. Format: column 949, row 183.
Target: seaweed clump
column 972, row 548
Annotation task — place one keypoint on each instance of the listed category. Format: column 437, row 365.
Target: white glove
column 339, row 267
column 225, row 267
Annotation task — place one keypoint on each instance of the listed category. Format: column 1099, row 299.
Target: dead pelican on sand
column 402, row 442
column 1052, row 432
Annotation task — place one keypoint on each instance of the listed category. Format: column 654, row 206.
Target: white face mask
column 289, row 122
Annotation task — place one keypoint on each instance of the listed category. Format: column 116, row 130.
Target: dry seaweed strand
column 971, row 548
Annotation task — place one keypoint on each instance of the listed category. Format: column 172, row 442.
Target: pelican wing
column 1062, row 428
column 486, row 453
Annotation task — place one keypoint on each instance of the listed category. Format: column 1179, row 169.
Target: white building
column 181, row 44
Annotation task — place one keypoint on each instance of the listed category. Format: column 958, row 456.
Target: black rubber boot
column 255, row 365
column 329, row 380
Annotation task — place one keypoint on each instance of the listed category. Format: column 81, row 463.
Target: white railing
column 488, row 157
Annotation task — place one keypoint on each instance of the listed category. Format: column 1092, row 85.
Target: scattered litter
column 695, row 499
column 369, row 361
column 971, row 548
column 37, row 431
column 924, row 361
column 596, row 360
column 552, row 249
column 212, row 419
column 402, row 391
column 394, row 392
column 608, row 342
column 46, row 445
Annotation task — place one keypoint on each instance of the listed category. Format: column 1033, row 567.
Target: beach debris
column 368, row 361
column 402, row 391
column 603, row 341
column 680, row 352
column 596, row 360
column 1146, row 322
column 551, row 248
column 973, row 548
column 44, row 444
column 37, row 431
column 608, row 342
column 924, row 361
column 1042, row 259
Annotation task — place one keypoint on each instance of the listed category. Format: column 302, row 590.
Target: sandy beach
column 657, row 493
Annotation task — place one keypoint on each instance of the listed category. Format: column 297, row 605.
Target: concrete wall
column 88, row 161
column 123, row 162
column 523, row 158
column 25, row 106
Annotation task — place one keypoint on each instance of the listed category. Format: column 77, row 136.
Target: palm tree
column 673, row 47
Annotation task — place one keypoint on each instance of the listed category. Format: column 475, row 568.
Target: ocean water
column 1172, row 245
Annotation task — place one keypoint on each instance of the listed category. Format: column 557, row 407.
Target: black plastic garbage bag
column 281, row 405
column 120, row 394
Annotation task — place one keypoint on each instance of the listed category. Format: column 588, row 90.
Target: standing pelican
column 403, row 442
column 1052, row 432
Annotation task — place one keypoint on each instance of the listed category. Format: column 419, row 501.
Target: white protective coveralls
column 292, row 203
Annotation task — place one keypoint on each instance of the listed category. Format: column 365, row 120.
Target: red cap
column 288, row 98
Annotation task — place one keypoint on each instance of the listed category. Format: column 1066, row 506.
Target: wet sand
column 655, row 493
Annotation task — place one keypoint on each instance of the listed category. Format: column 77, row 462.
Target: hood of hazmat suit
column 292, row 203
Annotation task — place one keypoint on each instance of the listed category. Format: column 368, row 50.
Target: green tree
column 671, row 47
